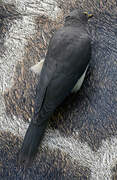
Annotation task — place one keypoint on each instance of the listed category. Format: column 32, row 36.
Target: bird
column 60, row 73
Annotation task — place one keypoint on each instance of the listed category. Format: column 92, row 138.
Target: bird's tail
column 31, row 142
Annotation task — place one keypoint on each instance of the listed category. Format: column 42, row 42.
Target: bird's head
column 78, row 16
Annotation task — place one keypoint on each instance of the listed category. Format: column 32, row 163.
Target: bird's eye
column 85, row 13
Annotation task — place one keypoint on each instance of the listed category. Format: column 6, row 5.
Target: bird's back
column 66, row 60
column 70, row 46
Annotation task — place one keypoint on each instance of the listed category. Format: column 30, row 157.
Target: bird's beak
column 89, row 15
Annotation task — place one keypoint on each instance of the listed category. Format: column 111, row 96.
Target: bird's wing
column 65, row 62
column 44, row 79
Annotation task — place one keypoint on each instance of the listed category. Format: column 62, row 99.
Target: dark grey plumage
column 67, row 58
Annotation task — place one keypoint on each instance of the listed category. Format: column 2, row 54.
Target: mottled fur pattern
column 82, row 141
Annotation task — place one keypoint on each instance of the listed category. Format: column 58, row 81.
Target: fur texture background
column 81, row 140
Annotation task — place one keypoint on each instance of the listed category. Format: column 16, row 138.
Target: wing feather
column 66, row 60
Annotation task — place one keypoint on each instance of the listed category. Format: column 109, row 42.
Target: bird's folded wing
column 44, row 79
column 65, row 62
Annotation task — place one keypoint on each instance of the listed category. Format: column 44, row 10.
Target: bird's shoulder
column 66, row 37
column 70, row 32
column 67, row 40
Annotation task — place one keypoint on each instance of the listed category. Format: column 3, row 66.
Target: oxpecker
column 61, row 73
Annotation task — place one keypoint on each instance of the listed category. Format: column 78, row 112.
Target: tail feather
column 31, row 142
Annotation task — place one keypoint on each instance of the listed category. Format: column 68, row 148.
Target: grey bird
column 61, row 73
